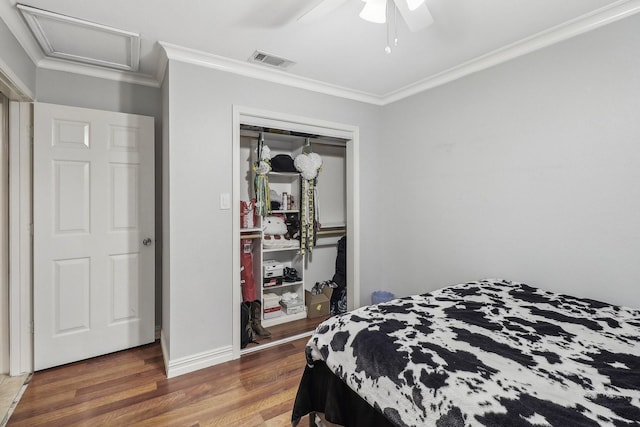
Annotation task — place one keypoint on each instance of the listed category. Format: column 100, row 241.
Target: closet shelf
column 283, row 285
column 289, row 174
column 293, row 248
column 283, row 318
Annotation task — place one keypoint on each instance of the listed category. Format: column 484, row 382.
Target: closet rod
column 255, row 134
column 250, row 236
column 340, row 230
column 285, row 133
column 317, row 139
column 333, row 230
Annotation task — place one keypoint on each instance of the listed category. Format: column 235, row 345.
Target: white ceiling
column 338, row 51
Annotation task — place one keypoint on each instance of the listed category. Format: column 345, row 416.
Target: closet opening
column 296, row 194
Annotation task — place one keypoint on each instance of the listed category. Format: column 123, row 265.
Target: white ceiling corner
column 72, row 39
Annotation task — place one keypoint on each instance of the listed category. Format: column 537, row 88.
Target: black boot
column 246, row 329
column 256, row 322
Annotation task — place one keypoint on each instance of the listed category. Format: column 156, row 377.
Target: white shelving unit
column 284, row 182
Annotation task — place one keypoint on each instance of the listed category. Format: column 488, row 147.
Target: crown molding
column 161, row 66
column 196, row 57
column 12, row 85
column 606, row 15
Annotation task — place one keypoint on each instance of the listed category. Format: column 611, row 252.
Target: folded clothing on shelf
column 292, row 303
column 279, row 241
column 290, row 298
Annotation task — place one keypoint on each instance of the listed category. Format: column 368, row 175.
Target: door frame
column 4, row 233
column 19, row 215
column 20, row 239
column 257, row 117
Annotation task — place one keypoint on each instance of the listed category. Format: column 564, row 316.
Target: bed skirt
column 321, row 391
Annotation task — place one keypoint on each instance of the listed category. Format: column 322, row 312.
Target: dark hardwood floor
column 129, row 388
column 290, row 329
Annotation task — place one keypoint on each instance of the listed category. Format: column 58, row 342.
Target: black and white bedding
column 487, row 353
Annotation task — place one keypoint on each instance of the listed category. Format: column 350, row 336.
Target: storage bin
column 270, row 300
column 318, row 305
column 381, row 296
column 272, row 268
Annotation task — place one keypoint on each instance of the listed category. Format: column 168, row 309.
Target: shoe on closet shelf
column 291, row 275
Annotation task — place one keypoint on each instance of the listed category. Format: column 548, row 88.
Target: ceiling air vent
column 271, row 60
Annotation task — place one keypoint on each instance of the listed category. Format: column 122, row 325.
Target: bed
column 485, row 353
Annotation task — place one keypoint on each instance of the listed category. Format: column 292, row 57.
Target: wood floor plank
column 64, row 416
column 84, row 373
column 282, row 420
column 130, row 388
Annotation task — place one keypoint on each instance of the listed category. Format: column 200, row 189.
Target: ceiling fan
column 415, row 13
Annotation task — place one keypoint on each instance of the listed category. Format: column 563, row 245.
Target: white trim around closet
column 256, row 117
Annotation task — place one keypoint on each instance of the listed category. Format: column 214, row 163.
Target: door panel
column 71, row 197
column 71, row 302
column 93, row 206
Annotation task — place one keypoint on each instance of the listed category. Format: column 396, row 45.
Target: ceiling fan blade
column 319, row 9
column 416, row 19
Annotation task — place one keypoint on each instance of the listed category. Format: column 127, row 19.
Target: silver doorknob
column 147, row 241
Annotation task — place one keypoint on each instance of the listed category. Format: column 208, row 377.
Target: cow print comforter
column 488, row 353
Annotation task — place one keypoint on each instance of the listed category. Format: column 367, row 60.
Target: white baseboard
column 194, row 362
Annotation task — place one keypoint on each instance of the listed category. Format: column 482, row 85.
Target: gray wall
column 57, row 87
column 200, row 168
column 527, row 171
column 16, row 61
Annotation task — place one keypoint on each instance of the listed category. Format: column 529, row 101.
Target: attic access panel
column 76, row 40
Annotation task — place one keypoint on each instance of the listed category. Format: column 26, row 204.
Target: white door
column 93, row 233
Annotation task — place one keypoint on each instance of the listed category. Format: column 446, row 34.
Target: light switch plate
column 225, row 201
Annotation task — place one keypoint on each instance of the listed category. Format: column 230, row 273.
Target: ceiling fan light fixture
column 374, row 11
column 414, row 4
